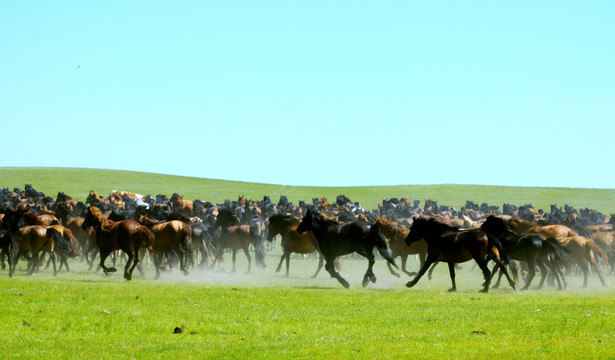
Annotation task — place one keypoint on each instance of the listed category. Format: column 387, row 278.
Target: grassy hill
column 77, row 183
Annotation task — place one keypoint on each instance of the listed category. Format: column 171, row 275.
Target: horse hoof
column 346, row 284
column 111, row 269
column 452, row 290
column 127, row 277
column 484, row 290
column 186, row 272
column 410, row 284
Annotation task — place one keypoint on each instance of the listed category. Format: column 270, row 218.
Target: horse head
column 307, row 223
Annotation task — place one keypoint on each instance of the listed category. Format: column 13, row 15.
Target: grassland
column 264, row 315
column 85, row 315
column 78, row 183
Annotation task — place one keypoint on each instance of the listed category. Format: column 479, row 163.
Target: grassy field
column 263, row 315
column 78, row 183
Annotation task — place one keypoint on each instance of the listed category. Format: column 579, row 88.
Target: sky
column 316, row 93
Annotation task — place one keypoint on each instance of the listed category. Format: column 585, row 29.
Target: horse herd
column 195, row 234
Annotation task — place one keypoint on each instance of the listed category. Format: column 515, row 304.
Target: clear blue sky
column 323, row 93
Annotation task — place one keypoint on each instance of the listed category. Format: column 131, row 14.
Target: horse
column 606, row 241
column 452, row 245
column 536, row 249
column 396, row 236
column 292, row 241
column 170, row 236
column 184, row 207
column 337, row 239
column 202, row 235
column 125, row 235
column 581, row 250
column 235, row 237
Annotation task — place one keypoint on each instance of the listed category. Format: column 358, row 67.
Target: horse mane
column 104, row 222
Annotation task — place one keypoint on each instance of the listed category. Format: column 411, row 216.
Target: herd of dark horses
column 195, row 234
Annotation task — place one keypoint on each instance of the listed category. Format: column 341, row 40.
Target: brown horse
column 125, row 235
column 452, row 245
column 521, row 226
column 606, row 241
column 237, row 237
column 184, row 207
column 170, row 236
column 581, row 251
column 397, row 236
column 292, row 241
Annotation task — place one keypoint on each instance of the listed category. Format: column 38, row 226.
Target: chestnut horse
column 237, row 237
column 396, row 236
column 292, row 241
column 170, row 236
column 452, row 245
column 125, row 235
column 337, row 239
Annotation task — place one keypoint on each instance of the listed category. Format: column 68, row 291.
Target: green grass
column 264, row 315
column 78, row 182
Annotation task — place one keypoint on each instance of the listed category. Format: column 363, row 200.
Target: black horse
column 452, row 245
column 337, row 239
column 536, row 249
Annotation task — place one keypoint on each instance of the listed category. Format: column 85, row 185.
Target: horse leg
column 482, row 264
column 495, row 256
column 592, row 263
column 52, row 256
column 429, row 275
column 330, row 267
column 559, row 274
column 157, row 264
column 451, row 271
column 34, row 263
column 404, row 262
column 530, row 274
column 392, row 271
column 103, row 255
column 321, row 259
column 428, row 261
column 281, row 261
column 135, row 260
column 183, row 260
column 369, row 274
column 246, row 250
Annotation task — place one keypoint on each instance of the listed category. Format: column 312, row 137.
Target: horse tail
column 597, row 249
column 557, row 253
column 382, row 244
column 66, row 246
column 187, row 239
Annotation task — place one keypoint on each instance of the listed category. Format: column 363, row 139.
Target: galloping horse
column 335, row 239
column 397, row 237
column 452, row 245
column 292, row 241
column 536, row 249
column 581, row 250
column 235, row 237
column 170, row 236
column 125, row 235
